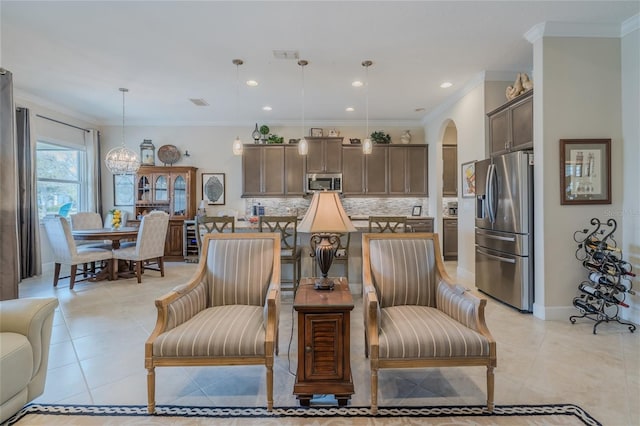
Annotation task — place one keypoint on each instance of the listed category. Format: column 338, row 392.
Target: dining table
column 115, row 235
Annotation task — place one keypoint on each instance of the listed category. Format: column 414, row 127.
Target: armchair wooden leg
column 374, row 390
column 490, row 388
column 151, row 390
column 269, row 383
column 56, row 274
column 72, row 276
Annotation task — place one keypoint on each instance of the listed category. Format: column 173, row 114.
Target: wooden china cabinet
column 172, row 190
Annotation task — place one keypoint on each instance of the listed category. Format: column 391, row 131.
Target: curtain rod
column 62, row 122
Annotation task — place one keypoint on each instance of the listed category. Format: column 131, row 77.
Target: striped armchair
column 227, row 314
column 414, row 315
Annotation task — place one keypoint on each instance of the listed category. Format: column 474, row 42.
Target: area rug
column 130, row 415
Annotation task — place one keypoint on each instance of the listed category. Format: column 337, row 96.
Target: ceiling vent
column 286, row 54
column 199, row 102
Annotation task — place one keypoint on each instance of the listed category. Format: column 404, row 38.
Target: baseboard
column 553, row 313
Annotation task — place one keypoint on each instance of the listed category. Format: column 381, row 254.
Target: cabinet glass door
column 144, row 189
column 161, row 189
column 179, row 196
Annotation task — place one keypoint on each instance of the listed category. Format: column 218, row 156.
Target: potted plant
column 380, row 137
column 264, row 131
column 275, row 139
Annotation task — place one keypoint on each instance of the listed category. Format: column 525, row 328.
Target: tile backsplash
column 353, row 206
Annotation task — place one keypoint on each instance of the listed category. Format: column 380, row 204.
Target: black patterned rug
column 564, row 413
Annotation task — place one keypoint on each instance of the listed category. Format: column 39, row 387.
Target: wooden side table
column 324, row 365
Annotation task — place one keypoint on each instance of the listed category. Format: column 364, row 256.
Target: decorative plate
column 168, row 154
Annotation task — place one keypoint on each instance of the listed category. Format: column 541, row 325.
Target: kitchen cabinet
column 376, row 171
column 353, row 173
column 263, row 170
column 408, row 170
column 325, row 155
column 450, row 238
column 172, row 190
column 511, row 125
column 294, row 171
column 449, row 170
column 420, row 224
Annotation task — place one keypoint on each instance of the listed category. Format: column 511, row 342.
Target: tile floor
column 97, row 357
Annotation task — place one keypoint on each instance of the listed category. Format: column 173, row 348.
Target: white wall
column 630, row 213
column 467, row 113
column 577, row 95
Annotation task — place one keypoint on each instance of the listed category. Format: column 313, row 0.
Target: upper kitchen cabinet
column 376, row 171
column 449, row 170
column 353, row 174
column 294, row 173
column 272, row 171
column 408, row 170
column 325, row 155
column 511, row 125
column 262, row 170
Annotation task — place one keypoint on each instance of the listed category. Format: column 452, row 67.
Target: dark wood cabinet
column 324, row 365
column 408, row 170
column 294, row 171
column 376, row 171
column 325, row 155
column 172, row 190
column 420, row 224
column 272, row 171
column 511, row 125
column 450, row 238
column 353, row 172
column 450, row 170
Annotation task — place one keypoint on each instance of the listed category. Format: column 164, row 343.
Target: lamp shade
column 326, row 215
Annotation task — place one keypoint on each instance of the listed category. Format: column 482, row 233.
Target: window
column 60, row 179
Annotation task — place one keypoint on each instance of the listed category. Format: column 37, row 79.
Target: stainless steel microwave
column 324, row 182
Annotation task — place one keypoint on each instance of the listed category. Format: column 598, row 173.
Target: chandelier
column 122, row 160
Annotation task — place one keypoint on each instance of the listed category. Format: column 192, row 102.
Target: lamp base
column 324, row 284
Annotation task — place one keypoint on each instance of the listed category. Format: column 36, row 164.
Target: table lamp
column 324, row 220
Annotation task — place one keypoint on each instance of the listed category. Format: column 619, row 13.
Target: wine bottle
column 583, row 305
column 600, row 278
column 587, row 289
column 613, row 300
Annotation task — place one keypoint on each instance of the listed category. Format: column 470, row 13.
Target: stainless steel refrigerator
column 504, row 228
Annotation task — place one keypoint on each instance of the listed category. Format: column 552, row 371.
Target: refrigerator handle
column 491, row 208
column 493, row 256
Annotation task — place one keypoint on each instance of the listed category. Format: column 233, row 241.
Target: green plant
column 264, row 129
column 380, row 137
column 275, row 139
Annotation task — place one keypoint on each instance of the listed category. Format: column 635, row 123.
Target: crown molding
column 630, row 25
column 470, row 85
column 272, row 124
column 574, row 29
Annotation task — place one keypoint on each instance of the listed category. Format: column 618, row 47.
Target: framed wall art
column 585, row 171
column 468, row 179
column 123, row 190
column 213, row 188
column 316, row 132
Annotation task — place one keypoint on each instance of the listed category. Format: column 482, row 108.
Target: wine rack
column 604, row 293
column 190, row 245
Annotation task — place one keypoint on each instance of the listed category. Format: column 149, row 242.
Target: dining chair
column 88, row 220
column 149, row 247
column 387, row 224
column 414, row 315
column 225, row 314
column 290, row 253
column 211, row 224
column 65, row 251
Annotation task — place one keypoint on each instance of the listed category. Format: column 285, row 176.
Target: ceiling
column 76, row 55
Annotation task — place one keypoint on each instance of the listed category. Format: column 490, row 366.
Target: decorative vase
column 256, row 134
column 405, row 138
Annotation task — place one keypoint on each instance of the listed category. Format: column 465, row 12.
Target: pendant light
column 303, row 145
column 367, row 146
column 122, row 160
column 237, row 144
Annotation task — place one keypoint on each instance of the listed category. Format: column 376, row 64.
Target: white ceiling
column 77, row 54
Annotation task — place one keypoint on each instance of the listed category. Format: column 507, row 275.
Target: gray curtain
column 92, row 142
column 28, row 238
column 9, row 269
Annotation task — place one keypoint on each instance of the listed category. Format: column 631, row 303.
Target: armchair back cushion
column 239, row 271
column 403, row 272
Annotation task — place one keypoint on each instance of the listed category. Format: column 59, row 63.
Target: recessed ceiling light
column 266, row 108
column 357, row 83
column 199, row 101
column 252, row 83
column 349, row 109
column 446, row 85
